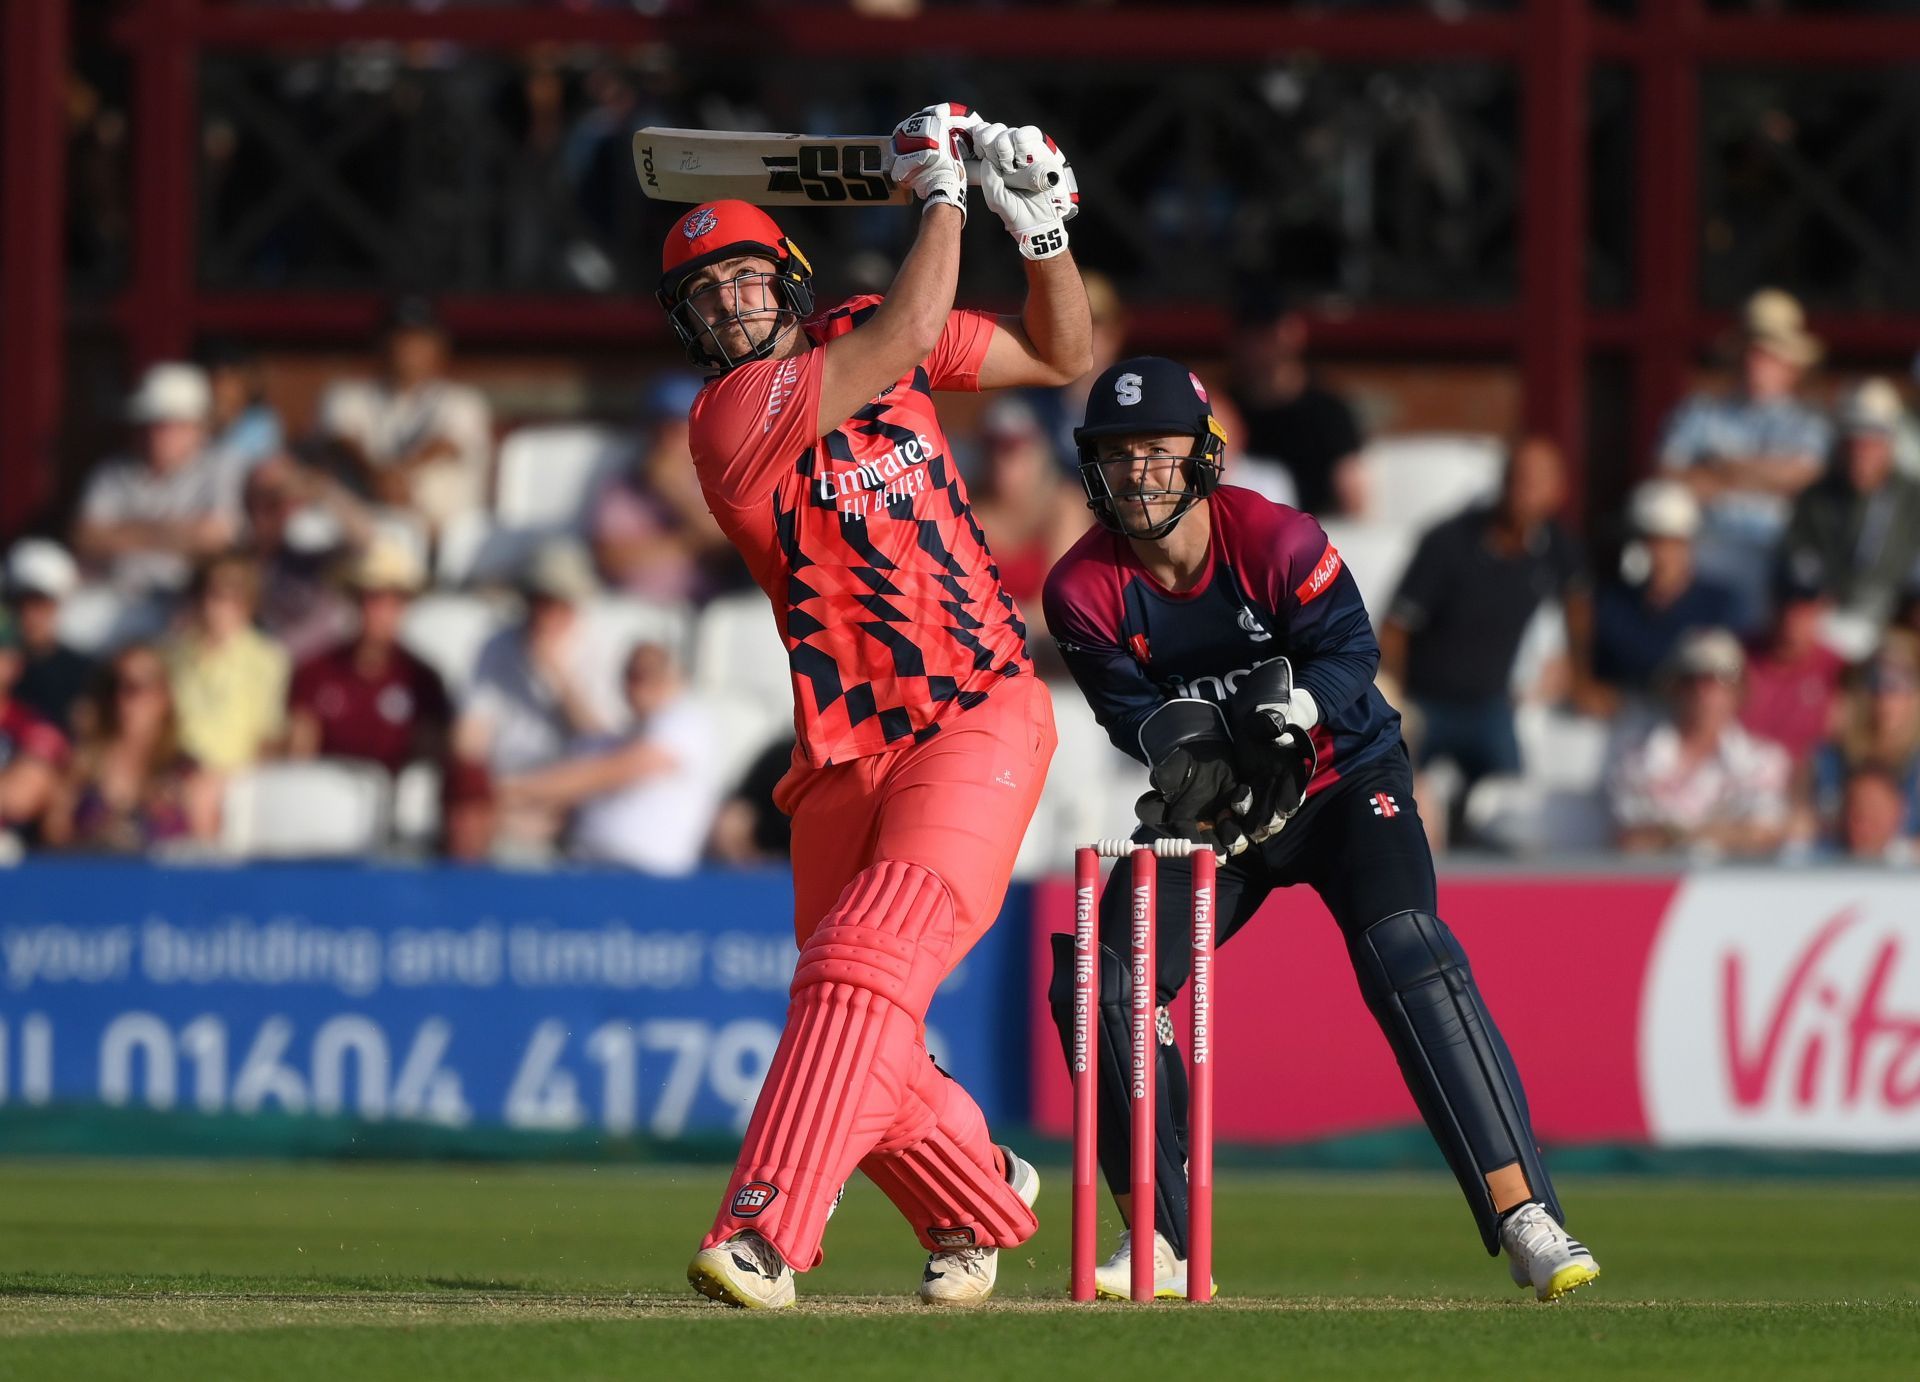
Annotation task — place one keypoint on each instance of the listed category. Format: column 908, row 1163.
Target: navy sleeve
column 1335, row 654
column 1116, row 686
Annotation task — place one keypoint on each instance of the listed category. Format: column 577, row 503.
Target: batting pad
column 938, row 1166
column 1415, row 978
column 849, row 1055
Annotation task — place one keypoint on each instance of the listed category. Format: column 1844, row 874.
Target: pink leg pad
column 848, row 1057
column 939, row 1167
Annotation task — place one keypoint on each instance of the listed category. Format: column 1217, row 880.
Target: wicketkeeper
column 1219, row 640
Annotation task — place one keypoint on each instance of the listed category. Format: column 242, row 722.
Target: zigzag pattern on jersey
column 896, row 615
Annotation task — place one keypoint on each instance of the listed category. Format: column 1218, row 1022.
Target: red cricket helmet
column 715, row 231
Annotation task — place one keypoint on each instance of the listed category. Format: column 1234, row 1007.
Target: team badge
column 751, row 1198
column 699, row 223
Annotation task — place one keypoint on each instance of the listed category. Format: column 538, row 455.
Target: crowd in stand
column 1752, row 665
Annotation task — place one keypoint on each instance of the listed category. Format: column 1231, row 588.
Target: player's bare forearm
column 903, row 330
column 1051, row 342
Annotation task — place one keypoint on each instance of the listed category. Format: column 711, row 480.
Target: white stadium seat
column 1529, row 817
column 477, row 551
column 1377, row 554
column 447, row 631
column 293, row 810
column 747, row 725
column 1415, row 481
column 736, row 647
column 548, row 476
column 614, row 623
column 96, row 619
column 416, row 805
column 1090, row 790
column 1561, row 750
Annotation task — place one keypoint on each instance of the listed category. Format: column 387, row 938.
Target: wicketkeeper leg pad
column 1114, row 1047
column 1416, row 980
column 939, row 1167
column 847, row 1058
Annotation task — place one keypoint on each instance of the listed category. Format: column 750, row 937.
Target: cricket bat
column 767, row 169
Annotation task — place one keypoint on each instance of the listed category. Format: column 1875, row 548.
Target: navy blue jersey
column 1273, row 587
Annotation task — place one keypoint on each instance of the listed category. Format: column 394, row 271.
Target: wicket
column 1142, row 1021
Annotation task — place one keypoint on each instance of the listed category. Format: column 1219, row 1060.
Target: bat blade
column 767, row 169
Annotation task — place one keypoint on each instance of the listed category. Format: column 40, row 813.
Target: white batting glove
column 928, row 149
column 1029, row 185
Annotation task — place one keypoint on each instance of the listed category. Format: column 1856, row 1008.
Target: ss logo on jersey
column 1127, row 389
column 830, row 173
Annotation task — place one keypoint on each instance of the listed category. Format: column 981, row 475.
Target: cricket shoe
column 965, row 1276
column 745, row 1271
column 1113, row 1279
column 1543, row 1255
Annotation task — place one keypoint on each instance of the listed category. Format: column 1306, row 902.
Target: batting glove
column 1029, row 185
column 929, row 149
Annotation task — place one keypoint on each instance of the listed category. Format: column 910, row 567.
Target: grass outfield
column 158, row 1271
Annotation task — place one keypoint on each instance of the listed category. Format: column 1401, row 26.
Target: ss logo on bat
column 830, row 173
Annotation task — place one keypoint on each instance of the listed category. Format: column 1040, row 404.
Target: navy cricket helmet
column 1149, row 396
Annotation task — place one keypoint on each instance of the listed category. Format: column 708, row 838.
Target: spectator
column 1289, row 416
column 132, row 786
column 229, row 679
column 147, row 521
column 40, row 575
column 1026, row 507
column 245, row 430
column 1638, row 620
column 301, row 525
column 749, row 828
column 413, row 438
column 1453, row 631
column 32, row 752
column 1880, row 728
column 1861, row 522
column 1747, row 455
column 652, row 534
column 1793, row 679
column 1059, row 411
column 644, row 798
column 368, row 697
column 1874, row 823
column 534, row 691
column 1699, row 782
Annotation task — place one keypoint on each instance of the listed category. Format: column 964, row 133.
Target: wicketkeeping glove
column 1197, row 793
column 929, row 149
column 1029, row 185
column 1273, row 746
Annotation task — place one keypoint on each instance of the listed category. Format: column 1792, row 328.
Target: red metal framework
column 1551, row 332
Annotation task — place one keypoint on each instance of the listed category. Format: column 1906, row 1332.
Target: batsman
column 1219, row 640
column 923, row 735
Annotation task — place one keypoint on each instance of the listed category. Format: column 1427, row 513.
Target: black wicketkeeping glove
column 1197, row 793
column 1274, row 755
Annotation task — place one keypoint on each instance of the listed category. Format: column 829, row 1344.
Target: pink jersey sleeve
column 750, row 427
column 954, row 366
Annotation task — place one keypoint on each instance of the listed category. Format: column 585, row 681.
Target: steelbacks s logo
column 699, row 222
column 753, row 1197
column 1126, row 389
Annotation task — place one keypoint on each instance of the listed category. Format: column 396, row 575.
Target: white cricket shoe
column 1543, row 1255
column 745, row 1271
column 965, row 1276
column 1113, row 1279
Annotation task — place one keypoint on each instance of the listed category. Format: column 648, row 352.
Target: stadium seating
column 416, row 806
column 307, row 810
column 736, row 647
column 97, row 618
column 1376, row 554
column 548, row 476
column 1089, row 794
column 1419, row 479
column 448, row 630
column 477, row 551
